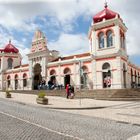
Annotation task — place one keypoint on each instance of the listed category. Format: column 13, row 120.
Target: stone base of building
column 100, row 94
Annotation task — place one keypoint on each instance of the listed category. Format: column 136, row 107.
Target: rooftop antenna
column 106, row 4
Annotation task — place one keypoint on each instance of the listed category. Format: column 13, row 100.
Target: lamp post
column 5, row 85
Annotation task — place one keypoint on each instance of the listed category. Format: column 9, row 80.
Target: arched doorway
column 0, row 63
column 53, row 76
column 67, row 73
column 16, row 82
column 37, row 76
column 124, row 75
column 8, row 81
column 138, row 80
column 132, row 78
column 84, row 77
column 24, row 80
column 106, row 74
column 135, row 79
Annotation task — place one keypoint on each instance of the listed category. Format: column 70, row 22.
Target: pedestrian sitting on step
column 71, row 92
column 67, row 90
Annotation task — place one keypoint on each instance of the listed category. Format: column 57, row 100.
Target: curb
column 59, row 108
column 76, row 108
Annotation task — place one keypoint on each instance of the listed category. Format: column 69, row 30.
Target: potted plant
column 41, row 99
column 7, row 94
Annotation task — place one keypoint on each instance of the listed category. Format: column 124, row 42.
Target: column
column 2, row 80
column 59, row 72
column 79, row 75
column 74, row 72
column 43, row 65
column 119, row 83
column 105, row 41
column 94, row 74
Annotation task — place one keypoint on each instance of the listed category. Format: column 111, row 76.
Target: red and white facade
column 106, row 65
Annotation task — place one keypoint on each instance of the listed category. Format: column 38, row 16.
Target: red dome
column 104, row 14
column 10, row 48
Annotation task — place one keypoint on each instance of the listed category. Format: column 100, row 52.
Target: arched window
column 10, row 63
column 106, row 66
column 122, row 40
column 109, row 39
column 85, row 69
column 24, row 80
column 67, row 71
column 52, row 72
column 0, row 63
column 101, row 40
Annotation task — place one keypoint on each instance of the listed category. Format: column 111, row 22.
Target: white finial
column 9, row 41
column 106, row 4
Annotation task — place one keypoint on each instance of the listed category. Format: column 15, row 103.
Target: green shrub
column 8, row 92
column 41, row 94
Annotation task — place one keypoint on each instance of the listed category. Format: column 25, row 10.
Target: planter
column 43, row 101
column 8, row 95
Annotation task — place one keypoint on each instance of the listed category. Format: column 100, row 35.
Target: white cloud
column 63, row 11
column 4, row 40
column 21, row 15
column 70, row 44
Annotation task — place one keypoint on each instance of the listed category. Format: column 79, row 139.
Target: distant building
column 106, row 65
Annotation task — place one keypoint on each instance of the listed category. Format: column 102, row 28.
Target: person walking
column 67, row 90
column 72, row 92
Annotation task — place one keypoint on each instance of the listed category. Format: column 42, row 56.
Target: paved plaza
column 23, row 121
column 125, row 111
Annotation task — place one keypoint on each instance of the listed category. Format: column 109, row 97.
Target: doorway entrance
column 37, row 76
column 66, row 80
column 16, row 82
column 106, row 74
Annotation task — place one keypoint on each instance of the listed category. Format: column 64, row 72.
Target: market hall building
column 106, row 65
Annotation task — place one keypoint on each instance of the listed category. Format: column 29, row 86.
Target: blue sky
column 64, row 22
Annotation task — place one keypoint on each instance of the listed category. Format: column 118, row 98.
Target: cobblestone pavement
column 127, row 105
column 26, row 122
column 15, row 129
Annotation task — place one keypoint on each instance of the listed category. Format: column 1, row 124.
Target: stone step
column 105, row 94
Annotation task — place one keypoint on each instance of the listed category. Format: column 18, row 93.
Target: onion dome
column 9, row 48
column 105, row 14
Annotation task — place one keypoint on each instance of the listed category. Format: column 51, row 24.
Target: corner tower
column 107, row 39
column 39, row 57
column 107, row 34
column 9, row 58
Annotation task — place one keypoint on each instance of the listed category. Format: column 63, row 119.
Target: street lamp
column 5, row 85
